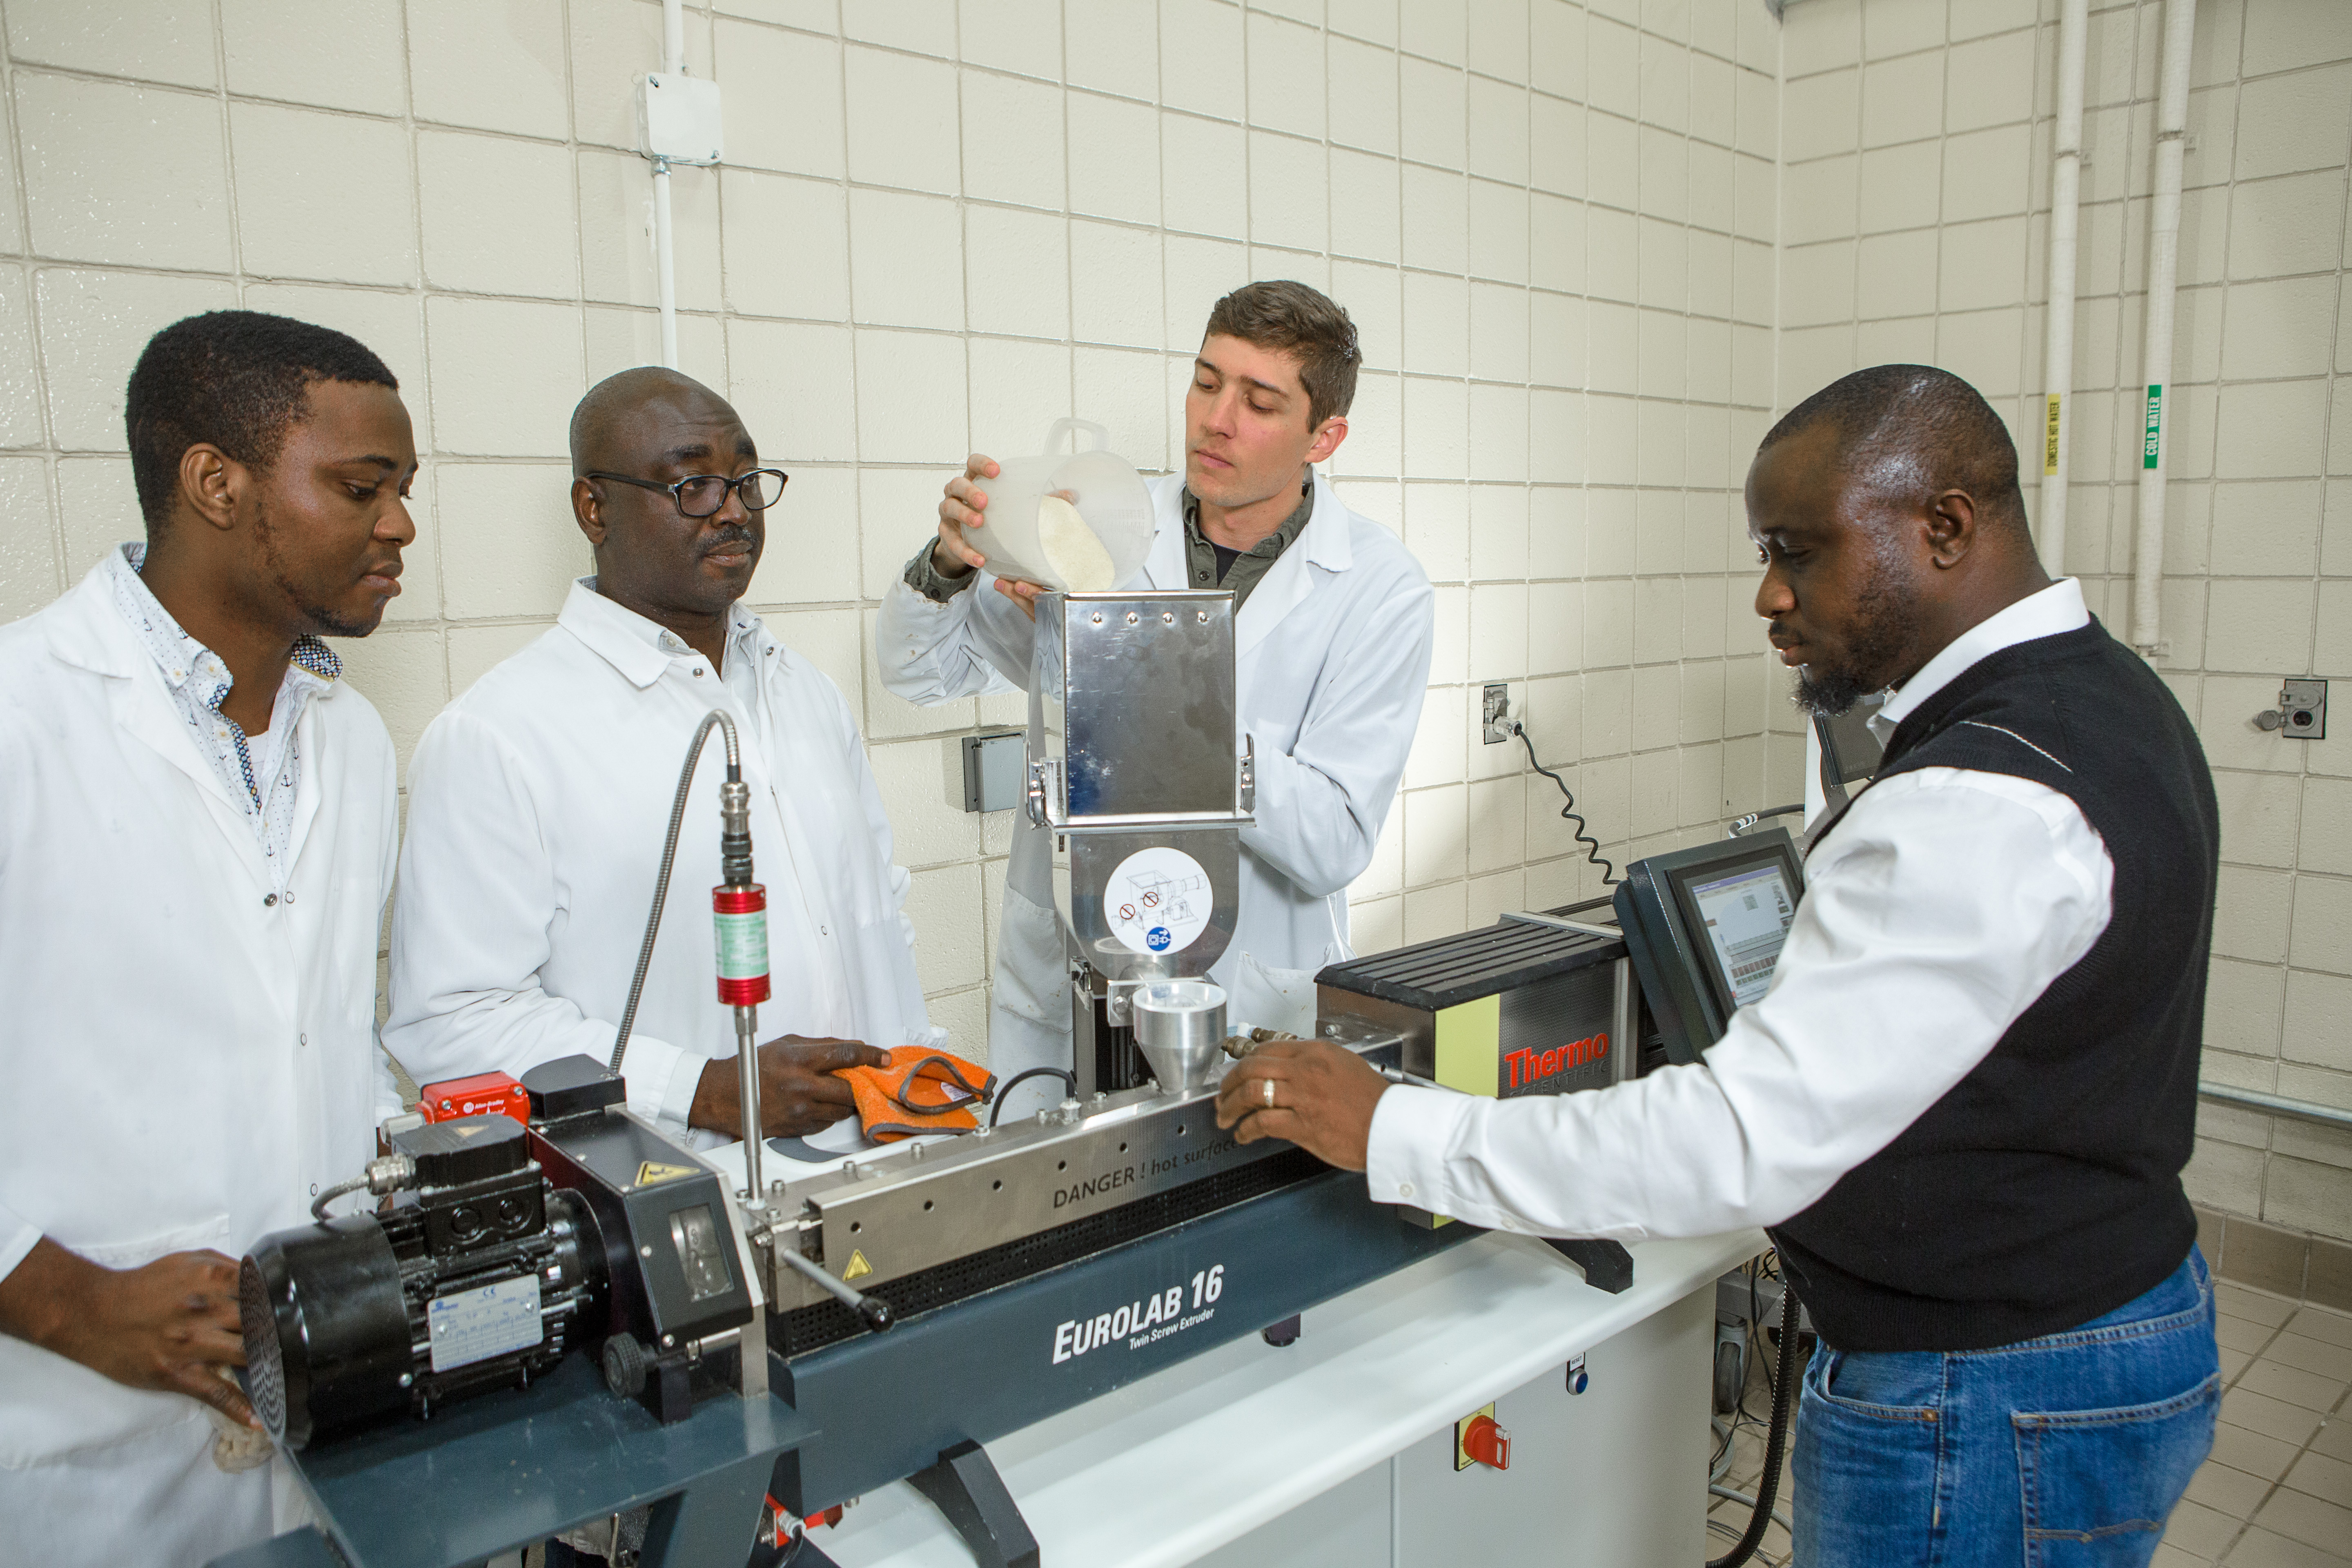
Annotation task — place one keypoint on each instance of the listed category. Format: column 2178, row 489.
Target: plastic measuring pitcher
column 1079, row 521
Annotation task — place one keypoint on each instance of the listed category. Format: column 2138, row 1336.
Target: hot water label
column 1157, row 900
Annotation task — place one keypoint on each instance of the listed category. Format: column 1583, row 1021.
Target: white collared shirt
column 262, row 775
column 537, row 807
column 1935, row 914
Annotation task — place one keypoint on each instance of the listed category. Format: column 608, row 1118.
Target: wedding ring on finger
column 1269, row 1091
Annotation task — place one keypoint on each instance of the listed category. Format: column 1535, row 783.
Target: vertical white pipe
column 665, row 264
column 2156, row 358
column 664, row 251
column 2058, row 337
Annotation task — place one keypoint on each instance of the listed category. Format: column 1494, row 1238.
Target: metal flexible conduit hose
column 318, row 1204
column 1776, row 1437
column 668, row 856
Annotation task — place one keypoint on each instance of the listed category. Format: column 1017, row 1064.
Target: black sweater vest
column 2045, row 1189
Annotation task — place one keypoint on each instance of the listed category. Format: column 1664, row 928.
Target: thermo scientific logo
column 1144, row 1322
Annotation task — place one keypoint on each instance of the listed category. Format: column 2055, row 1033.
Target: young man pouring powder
column 1333, row 623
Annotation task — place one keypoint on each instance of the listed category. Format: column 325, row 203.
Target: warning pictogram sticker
column 858, row 1267
column 652, row 1171
column 1157, row 900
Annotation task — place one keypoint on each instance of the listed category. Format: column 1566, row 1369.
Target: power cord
column 1609, row 877
column 1005, row 1091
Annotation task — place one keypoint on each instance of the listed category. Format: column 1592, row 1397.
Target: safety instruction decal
column 467, row 1326
column 653, row 1173
column 1157, row 900
column 858, row 1267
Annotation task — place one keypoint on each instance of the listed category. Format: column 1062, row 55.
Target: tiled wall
column 942, row 227
column 1916, row 140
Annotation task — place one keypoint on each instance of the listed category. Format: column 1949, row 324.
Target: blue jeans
column 2066, row 1451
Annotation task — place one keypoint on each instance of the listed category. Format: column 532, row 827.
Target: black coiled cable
column 1592, row 852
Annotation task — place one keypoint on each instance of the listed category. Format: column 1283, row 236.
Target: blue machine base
column 497, row 1472
column 887, row 1405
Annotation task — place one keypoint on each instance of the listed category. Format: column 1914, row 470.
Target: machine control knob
column 625, row 1365
column 1488, row 1442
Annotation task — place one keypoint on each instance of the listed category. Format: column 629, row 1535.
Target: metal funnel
column 1180, row 1027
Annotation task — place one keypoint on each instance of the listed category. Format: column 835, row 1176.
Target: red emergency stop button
column 1487, row 1443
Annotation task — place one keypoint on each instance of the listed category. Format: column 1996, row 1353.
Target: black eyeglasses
column 701, row 495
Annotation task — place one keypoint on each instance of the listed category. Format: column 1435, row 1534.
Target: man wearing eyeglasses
column 538, row 800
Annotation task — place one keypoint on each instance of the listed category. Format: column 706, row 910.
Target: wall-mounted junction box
column 992, row 769
column 678, row 119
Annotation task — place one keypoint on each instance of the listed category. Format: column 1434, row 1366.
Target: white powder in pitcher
column 1073, row 551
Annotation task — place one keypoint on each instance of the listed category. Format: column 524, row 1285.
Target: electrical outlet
column 2304, row 703
column 1495, row 711
column 2302, row 713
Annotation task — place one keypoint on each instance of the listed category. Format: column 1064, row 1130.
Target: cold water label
column 467, row 1326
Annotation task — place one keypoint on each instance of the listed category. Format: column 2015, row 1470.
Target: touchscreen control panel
column 1705, row 928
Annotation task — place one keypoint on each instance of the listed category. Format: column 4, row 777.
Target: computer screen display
column 1747, row 915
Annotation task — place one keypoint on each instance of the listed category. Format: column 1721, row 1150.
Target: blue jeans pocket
column 2099, row 1484
column 1868, row 1435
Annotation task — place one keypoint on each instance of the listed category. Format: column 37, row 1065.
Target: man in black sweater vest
column 1964, row 1105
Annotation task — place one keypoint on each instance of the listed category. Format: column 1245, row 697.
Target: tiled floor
column 2277, row 1491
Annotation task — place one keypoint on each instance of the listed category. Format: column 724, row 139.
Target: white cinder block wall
column 942, row 227
column 1916, row 192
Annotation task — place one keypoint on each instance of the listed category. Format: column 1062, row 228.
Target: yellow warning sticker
column 654, row 1172
column 858, row 1267
column 2049, row 438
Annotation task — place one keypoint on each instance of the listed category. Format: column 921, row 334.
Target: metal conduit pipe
column 665, row 246
column 2155, row 357
column 2275, row 1105
column 2058, row 336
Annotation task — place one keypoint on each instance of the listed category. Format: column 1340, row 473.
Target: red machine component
column 741, row 914
column 1485, row 1442
column 484, row 1094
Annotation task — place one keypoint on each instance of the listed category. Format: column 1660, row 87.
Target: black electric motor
column 507, row 1246
column 482, row 1277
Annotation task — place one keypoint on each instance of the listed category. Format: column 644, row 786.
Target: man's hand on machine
column 960, row 509
column 1311, row 1092
column 169, row 1326
column 798, row 1092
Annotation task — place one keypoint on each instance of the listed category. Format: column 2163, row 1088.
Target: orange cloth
column 921, row 1091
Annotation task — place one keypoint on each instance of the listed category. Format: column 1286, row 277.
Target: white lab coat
column 537, row 804
column 1331, row 655
column 189, row 1057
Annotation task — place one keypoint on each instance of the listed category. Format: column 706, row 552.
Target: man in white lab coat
column 1331, row 645
column 194, row 862
column 538, row 800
